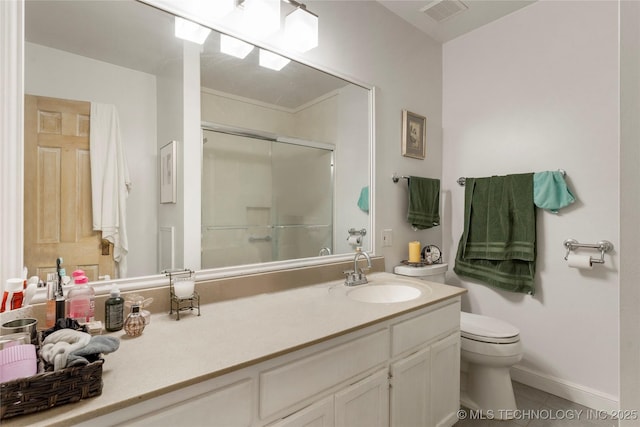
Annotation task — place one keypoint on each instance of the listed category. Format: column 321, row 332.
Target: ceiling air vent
column 440, row 10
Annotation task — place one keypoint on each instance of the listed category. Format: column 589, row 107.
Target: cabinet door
column 445, row 380
column 320, row 414
column 365, row 403
column 411, row 390
column 227, row 406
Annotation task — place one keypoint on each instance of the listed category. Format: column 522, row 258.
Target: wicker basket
column 49, row 389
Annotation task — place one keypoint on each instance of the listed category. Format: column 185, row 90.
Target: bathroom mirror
column 125, row 53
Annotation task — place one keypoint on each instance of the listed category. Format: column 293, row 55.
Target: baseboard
column 571, row 391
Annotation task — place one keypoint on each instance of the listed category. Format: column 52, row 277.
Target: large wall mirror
column 280, row 157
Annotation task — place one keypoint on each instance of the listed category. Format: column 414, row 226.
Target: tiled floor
column 537, row 408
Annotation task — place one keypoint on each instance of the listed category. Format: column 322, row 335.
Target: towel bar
column 461, row 181
column 396, row 178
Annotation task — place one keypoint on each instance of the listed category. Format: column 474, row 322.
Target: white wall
column 221, row 108
column 364, row 40
column 538, row 90
column 171, row 128
column 59, row 74
column 179, row 120
column 352, row 173
column 629, row 206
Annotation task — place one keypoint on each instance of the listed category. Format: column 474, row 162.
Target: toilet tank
column 432, row 273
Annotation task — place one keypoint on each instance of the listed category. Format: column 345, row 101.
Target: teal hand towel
column 424, row 202
column 550, row 191
column 363, row 200
column 498, row 244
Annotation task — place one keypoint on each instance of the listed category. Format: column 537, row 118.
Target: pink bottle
column 81, row 299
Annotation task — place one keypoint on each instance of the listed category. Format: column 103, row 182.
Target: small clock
column 432, row 251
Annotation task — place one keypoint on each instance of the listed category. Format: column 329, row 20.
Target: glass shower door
column 236, row 200
column 303, row 200
column 264, row 200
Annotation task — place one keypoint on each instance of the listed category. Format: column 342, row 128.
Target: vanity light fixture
column 261, row 18
column 301, row 28
column 191, row 31
column 234, row 47
column 271, row 60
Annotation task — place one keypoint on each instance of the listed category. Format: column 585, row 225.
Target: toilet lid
column 487, row 329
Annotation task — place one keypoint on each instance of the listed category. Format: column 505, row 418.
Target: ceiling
column 476, row 14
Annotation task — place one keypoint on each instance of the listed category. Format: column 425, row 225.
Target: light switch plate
column 387, row 237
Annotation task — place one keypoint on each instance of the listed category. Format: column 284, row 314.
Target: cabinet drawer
column 424, row 328
column 231, row 406
column 294, row 382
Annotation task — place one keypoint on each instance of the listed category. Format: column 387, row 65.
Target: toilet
column 488, row 349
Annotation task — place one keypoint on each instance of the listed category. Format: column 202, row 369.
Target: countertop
column 228, row 335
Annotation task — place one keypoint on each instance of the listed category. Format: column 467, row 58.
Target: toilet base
column 488, row 389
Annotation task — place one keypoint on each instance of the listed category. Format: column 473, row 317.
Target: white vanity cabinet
column 425, row 385
column 365, row 403
column 402, row 371
column 362, row 404
column 419, row 385
column 225, row 401
column 425, row 369
column 320, row 414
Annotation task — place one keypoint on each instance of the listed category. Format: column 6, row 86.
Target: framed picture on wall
column 414, row 135
column 168, row 169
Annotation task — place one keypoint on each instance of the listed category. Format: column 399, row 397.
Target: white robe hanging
column 110, row 182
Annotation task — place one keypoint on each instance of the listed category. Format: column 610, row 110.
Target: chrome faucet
column 357, row 276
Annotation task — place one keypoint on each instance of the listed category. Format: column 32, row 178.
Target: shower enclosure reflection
column 264, row 199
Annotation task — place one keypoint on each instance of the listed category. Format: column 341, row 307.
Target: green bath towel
column 498, row 245
column 424, row 202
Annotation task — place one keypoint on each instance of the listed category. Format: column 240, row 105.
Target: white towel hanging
column 110, row 182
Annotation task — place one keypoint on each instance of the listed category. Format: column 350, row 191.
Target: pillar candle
column 414, row 251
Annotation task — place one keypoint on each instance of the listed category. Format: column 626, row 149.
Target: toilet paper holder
column 603, row 246
column 354, row 232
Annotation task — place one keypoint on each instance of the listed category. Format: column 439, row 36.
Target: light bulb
column 301, row 30
column 271, row 60
column 191, row 31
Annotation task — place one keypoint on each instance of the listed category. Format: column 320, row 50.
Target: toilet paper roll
column 580, row 261
column 354, row 240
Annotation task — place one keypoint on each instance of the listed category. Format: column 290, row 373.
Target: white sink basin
column 379, row 293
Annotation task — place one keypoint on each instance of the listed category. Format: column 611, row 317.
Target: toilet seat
column 487, row 329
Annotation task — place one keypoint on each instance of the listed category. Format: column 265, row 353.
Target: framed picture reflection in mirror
column 168, row 169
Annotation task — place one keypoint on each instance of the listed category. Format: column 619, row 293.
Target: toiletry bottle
column 114, row 311
column 12, row 296
column 134, row 325
column 60, row 301
column 51, row 300
column 81, row 299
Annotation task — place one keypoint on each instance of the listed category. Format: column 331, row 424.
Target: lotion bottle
column 81, row 298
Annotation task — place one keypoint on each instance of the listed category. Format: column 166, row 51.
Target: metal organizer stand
column 181, row 304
